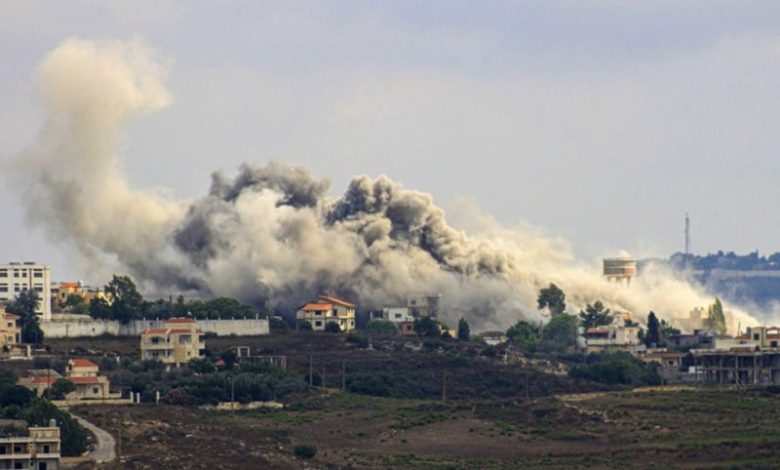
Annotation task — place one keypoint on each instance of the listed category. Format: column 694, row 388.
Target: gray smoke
column 270, row 235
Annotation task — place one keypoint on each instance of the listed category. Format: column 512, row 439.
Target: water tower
column 620, row 269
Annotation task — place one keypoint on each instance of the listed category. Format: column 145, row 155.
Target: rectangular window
column 37, row 274
column 3, row 273
column 318, row 323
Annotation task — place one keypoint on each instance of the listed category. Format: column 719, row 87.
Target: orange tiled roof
column 84, row 380
column 156, row 331
column 337, row 301
column 180, row 330
column 44, row 380
column 315, row 307
column 82, row 363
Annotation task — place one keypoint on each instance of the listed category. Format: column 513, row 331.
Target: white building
column 326, row 310
column 397, row 314
column 612, row 338
column 39, row 450
column 19, row 277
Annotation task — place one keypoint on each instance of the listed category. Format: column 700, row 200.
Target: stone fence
column 78, row 328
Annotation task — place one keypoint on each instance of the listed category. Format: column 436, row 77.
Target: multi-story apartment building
column 177, row 342
column 18, row 277
column 10, row 333
column 612, row 338
column 326, row 310
column 38, row 450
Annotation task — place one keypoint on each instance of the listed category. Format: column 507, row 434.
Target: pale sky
column 599, row 121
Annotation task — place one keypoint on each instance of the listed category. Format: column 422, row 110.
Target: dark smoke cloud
column 270, row 235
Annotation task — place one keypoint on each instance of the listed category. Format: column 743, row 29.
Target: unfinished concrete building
column 745, row 366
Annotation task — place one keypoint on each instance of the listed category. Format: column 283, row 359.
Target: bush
column 616, row 368
column 369, row 384
column 62, row 387
column 382, row 327
column 305, row 451
column 277, row 325
column 332, row 327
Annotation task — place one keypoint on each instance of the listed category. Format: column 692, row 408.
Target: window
column 774, row 344
column 3, row 273
column 3, row 450
column 46, row 449
column 95, row 390
column 18, row 464
column 318, row 323
column 756, row 337
column 41, row 465
column 17, row 449
column 397, row 315
column 38, row 274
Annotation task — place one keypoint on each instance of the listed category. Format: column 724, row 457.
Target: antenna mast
column 687, row 233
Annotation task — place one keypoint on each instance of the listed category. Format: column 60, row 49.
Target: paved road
column 105, row 450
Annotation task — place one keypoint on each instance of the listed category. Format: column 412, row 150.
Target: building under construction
column 745, row 366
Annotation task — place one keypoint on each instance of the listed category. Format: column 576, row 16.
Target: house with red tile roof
column 327, row 309
column 177, row 342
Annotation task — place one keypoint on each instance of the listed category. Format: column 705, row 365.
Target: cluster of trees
column 560, row 332
column 201, row 381
column 17, row 402
column 127, row 304
column 617, row 368
column 720, row 260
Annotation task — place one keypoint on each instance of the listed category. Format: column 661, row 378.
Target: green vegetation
column 553, row 299
column 200, row 383
column 127, row 304
column 332, row 327
column 305, row 451
column 617, row 368
column 595, row 315
column 25, row 305
column 17, row 402
column 426, row 326
column 464, row 331
column 382, row 327
column 716, row 320
column 653, row 336
column 524, row 336
column 60, row 388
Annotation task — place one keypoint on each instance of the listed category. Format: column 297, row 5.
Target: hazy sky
column 602, row 122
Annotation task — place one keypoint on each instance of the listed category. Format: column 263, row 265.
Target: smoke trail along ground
column 271, row 235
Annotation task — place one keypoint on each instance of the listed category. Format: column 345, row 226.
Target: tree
column 716, row 320
column 25, row 305
column 99, row 308
column 464, row 332
column 560, row 333
column 60, row 388
column 382, row 327
column 653, row 336
column 76, row 304
column 426, row 326
column 332, row 327
column 126, row 301
column 553, row 299
column 523, row 335
column 595, row 315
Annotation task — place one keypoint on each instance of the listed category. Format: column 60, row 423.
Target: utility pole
column 311, row 370
column 232, row 393
column 444, row 387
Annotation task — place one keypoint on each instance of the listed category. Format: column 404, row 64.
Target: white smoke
column 270, row 235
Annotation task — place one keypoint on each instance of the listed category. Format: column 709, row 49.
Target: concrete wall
column 75, row 329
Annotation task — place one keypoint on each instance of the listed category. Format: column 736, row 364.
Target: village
column 78, row 363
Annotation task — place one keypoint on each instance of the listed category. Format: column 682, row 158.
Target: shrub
column 382, row 327
column 305, row 451
column 332, row 327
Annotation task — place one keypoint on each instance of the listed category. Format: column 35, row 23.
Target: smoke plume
column 270, row 235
